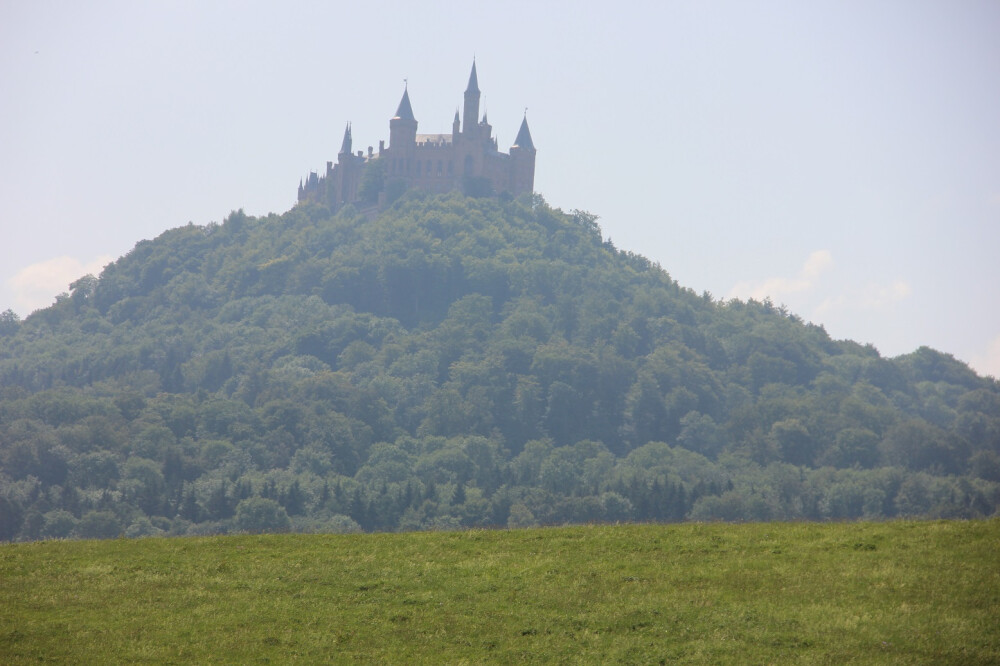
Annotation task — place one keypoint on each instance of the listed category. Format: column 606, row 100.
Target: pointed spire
column 345, row 147
column 405, row 111
column 456, row 116
column 470, row 114
column 473, row 79
column 523, row 139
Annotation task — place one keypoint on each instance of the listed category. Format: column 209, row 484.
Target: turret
column 470, row 113
column 345, row 147
column 522, row 157
column 485, row 129
column 403, row 126
column 523, row 139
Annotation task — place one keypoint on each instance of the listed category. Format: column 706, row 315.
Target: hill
column 456, row 362
column 895, row 592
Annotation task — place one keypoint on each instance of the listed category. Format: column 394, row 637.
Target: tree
column 699, row 432
column 11, row 517
column 520, row 516
column 919, row 445
column 256, row 515
column 341, row 524
column 645, row 412
column 142, row 527
column 144, row 484
column 793, row 441
column 99, row 525
column 98, row 469
column 58, row 524
column 853, row 446
column 615, row 508
column 9, row 322
column 83, row 289
column 985, row 465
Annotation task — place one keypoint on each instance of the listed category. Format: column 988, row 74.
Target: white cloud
column 775, row 288
column 817, row 263
column 871, row 297
column 988, row 363
column 36, row 286
column 879, row 296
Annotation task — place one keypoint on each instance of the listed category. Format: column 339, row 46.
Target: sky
column 839, row 157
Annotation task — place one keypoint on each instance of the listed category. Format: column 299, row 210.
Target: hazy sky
column 841, row 157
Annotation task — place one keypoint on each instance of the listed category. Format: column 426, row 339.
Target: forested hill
column 456, row 362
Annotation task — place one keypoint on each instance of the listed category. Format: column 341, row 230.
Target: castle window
column 439, row 168
column 451, row 168
column 418, row 167
column 429, row 172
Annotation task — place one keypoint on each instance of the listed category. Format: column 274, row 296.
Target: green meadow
column 894, row 592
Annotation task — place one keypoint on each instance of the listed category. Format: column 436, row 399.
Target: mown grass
column 898, row 592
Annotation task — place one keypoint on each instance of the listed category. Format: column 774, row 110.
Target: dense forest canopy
column 456, row 362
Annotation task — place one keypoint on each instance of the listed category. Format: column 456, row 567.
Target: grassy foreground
column 900, row 592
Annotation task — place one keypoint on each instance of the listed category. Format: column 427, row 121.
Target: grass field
column 898, row 592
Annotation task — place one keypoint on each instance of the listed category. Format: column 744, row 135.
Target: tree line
column 456, row 362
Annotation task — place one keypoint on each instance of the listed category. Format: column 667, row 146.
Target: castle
column 466, row 160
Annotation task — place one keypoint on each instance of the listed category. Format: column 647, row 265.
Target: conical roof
column 473, row 80
column 345, row 147
column 405, row 111
column 523, row 139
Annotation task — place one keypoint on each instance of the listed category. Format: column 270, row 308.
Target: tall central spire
column 473, row 79
column 470, row 114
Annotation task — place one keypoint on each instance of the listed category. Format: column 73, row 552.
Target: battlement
column 468, row 160
column 433, row 140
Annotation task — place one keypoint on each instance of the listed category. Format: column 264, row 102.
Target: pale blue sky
column 842, row 157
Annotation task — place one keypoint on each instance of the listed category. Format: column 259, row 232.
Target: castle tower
column 345, row 147
column 470, row 113
column 403, row 126
column 342, row 179
column 522, row 157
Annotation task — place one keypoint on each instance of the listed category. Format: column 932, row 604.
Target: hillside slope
column 456, row 362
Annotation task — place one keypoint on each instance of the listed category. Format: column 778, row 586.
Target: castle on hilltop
column 467, row 160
